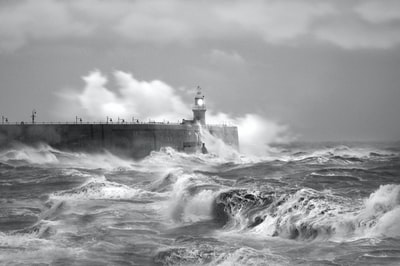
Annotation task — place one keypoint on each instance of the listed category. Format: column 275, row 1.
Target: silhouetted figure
column 204, row 149
column 33, row 116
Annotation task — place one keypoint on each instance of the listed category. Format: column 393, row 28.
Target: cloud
column 157, row 101
column 37, row 20
column 140, row 99
column 217, row 56
column 97, row 100
column 365, row 25
column 154, row 99
column 274, row 21
column 352, row 33
column 379, row 11
column 185, row 22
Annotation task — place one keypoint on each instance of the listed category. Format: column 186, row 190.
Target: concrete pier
column 130, row 140
column 134, row 140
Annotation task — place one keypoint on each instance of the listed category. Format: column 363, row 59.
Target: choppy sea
column 302, row 204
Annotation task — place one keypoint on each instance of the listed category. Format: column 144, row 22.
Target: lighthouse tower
column 199, row 108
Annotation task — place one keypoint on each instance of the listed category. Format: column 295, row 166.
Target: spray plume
column 158, row 101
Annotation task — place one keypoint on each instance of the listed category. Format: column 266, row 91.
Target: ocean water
column 301, row 204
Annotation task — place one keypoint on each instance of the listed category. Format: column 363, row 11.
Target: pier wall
column 131, row 140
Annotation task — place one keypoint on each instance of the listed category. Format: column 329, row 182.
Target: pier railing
column 108, row 123
column 89, row 123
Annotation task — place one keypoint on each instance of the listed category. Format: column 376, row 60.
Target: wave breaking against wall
column 135, row 140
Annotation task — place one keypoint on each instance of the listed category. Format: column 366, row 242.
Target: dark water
column 303, row 204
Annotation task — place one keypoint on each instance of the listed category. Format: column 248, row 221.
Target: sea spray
column 218, row 147
column 100, row 189
column 43, row 154
column 381, row 212
column 319, row 204
column 309, row 214
column 190, row 200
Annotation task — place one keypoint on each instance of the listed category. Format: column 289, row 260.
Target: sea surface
column 300, row 204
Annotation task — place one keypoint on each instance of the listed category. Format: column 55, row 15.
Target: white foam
column 249, row 256
column 324, row 216
column 382, row 212
column 45, row 155
column 305, row 215
column 218, row 146
column 199, row 207
column 33, row 155
column 323, row 155
column 21, row 240
column 23, row 249
column 96, row 188
column 190, row 206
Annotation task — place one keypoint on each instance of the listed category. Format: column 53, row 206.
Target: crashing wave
column 100, row 189
column 309, row 214
column 45, row 155
column 241, row 207
column 19, row 154
column 191, row 198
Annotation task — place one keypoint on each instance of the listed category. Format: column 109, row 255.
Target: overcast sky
column 328, row 70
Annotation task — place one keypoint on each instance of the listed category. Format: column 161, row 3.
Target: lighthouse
column 199, row 108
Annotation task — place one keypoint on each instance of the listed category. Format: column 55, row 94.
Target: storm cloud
column 369, row 24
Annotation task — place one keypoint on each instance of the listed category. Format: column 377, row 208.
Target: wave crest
column 100, row 189
column 309, row 214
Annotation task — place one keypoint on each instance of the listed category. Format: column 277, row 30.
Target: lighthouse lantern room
column 199, row 108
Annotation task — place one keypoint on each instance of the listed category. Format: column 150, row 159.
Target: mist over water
column 299, row 204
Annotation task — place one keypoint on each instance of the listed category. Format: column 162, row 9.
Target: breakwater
column 130, row 140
